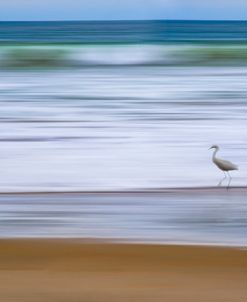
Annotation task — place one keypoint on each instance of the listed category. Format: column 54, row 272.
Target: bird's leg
column 219, row 184
column 230, row 179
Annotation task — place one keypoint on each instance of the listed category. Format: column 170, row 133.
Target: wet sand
column 38, row 270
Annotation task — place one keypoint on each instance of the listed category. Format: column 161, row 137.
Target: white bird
column 223, row 165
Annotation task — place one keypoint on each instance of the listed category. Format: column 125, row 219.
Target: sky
column 33, row 10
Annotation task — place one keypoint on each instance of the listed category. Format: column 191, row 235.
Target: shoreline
column 129, row 242
column 92, row 270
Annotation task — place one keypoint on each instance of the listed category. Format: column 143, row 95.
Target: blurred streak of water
column 213, row 216
column 119, row 128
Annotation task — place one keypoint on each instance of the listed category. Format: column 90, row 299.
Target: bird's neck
column 214, row 154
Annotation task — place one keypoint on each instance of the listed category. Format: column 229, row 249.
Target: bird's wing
column 227, row 165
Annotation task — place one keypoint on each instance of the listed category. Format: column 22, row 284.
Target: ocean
column 123, row 105
column 113, row 105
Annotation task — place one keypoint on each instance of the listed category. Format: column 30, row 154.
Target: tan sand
column 73, row 271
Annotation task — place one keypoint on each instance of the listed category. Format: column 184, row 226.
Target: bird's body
column 223, row 164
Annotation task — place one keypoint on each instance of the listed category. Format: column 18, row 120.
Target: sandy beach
column 51, row 270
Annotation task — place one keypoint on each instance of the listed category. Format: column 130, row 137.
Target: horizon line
column 126, row 20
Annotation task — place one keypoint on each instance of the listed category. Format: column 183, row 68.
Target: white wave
column 120, row 54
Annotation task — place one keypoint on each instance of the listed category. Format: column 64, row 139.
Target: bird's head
column 214, row 147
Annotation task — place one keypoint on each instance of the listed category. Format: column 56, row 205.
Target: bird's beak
column 209, row 148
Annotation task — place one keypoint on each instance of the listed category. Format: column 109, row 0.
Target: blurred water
column 112, row 105
column 203, row 216
column 125, row 127
column 123, row 105
column 152, row 31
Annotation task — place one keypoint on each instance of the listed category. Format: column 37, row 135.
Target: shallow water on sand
column 120, row 127
column 191, row 216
